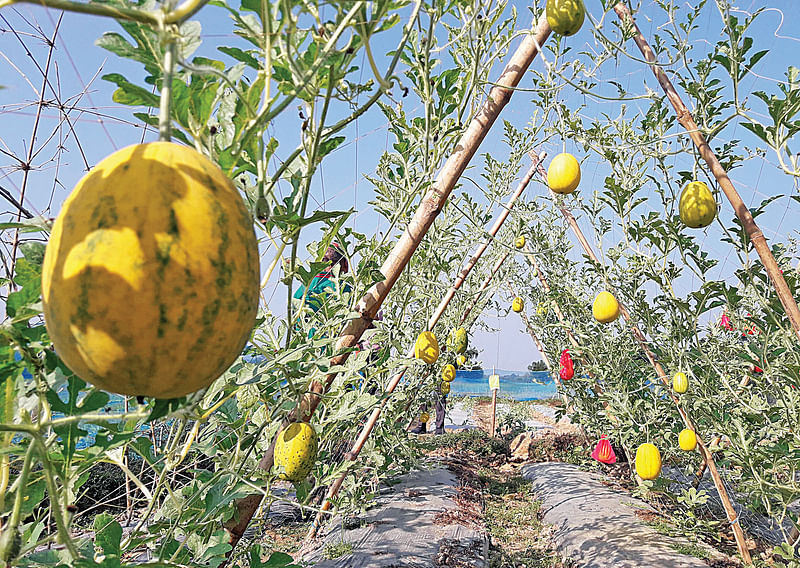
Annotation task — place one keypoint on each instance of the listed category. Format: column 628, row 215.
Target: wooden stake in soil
column 733, row 517
column 741, row 210
column 398, row 258
column 494, row 408
column 352, row 455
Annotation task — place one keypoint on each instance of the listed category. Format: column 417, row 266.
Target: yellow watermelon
column 426, row 347
column 680, row 382
column 697, row 206
column 565, row 16
column 448, row 373
column 295, row 451
column 648, row 461
column 151, row 277
column 458, row 340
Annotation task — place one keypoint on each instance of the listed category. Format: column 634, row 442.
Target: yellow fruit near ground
column 605, row 308
column 151, row 276
column 648, row 461
column 461, row 360
column 565, row 16
column 445, row 388
column 448, row 373
column 519, row 242
column 687, row 440
column 295, row 451
column 424, row 417
column 564, row 174
column 680, row 383
column 517, row 305
column 697, row 206
column 426, row 347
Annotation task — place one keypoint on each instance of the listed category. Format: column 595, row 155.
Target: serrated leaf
column 241, row 55
column 129, row 94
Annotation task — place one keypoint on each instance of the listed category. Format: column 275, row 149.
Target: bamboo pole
column 354, row 452
column 739, row 207
column 545, row 358
column 538, row 343
column 483, row 287
column 398, row 258
column 494, row 409
column 733, row 518
column 462, row 275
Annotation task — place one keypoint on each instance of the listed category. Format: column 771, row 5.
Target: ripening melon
column 295, row 451
column 426, row 347
column 151, row 277
column 648, row 461
column 457, row 341
column 448, row 373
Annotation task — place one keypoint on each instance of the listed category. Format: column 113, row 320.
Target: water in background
column 519, row 385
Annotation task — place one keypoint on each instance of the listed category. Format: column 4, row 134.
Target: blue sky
column 102, row 126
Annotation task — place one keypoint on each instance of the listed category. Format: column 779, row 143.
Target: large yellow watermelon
column 150, row 280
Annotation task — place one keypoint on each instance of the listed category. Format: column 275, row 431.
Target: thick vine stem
column 156, row 18
column 164, row 115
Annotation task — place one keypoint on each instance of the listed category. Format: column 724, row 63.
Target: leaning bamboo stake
column 739, row 207
column 733, row 518
column 539, row 346
column 545, row 358
column 462, row 275
column 398, row 258
column 366, row 431
column 546, row 287
column 483, row 287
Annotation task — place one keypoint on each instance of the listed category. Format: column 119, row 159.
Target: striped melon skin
column 295, row 451
column 151, row 276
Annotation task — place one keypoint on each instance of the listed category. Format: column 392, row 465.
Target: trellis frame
column 704, row 149
column 407, row 244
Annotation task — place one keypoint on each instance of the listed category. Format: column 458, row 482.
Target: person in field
column 323, row 283
column 422, row 427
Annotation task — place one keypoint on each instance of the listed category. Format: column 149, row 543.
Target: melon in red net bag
column 566, row 370
column 604, row 453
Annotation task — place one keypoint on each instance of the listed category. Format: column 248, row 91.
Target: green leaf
column 118, row 45
column 276, row 559
column 33, row 225
column 33, row 252
column 108, row 535
column 328, row 146
column 130, row 94
column 240, row 55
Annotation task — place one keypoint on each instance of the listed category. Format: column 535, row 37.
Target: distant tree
column 537, row 366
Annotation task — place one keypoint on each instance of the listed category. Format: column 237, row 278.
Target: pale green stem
column 164, row 116
column 10, row 529
column 55, row 503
